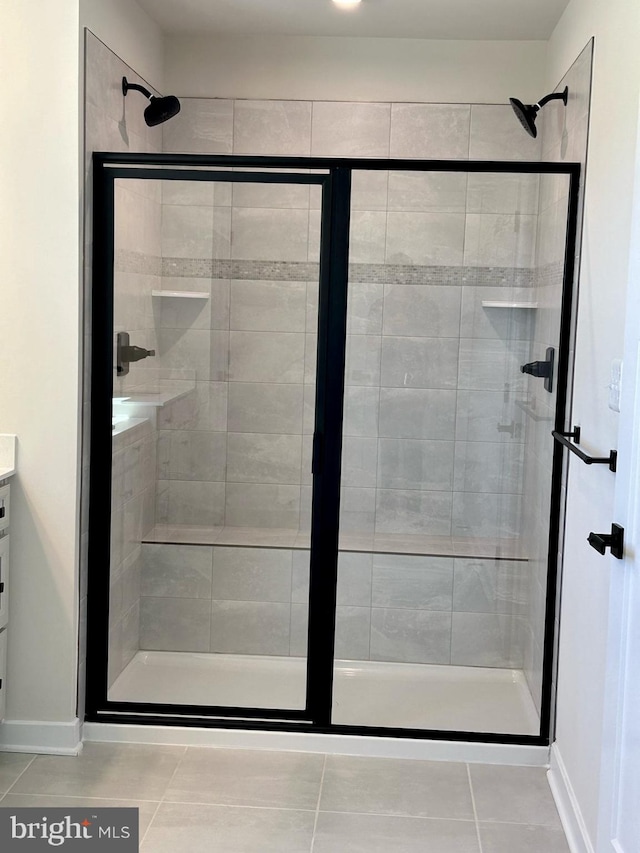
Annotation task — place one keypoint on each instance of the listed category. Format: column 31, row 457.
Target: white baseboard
column 567, row 804
column 41, row 737
column 484, row 753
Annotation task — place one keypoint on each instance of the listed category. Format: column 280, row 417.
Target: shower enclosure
column 324, row 491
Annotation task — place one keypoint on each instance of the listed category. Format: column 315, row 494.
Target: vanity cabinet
column 5, row 503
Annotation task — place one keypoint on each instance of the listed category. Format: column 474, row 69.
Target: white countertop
column 8, row 444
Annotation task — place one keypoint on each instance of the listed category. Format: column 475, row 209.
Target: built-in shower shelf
column 181, row 294
column 487, row 304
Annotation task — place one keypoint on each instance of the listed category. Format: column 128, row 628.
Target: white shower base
column 366, row 693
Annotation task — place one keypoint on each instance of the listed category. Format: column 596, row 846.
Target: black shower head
column 159, row 109
column 527, row 113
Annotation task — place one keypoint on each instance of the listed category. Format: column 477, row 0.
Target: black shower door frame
column 333, row 175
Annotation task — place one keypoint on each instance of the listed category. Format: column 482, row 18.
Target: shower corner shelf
column 181, row 294
column 489, row 304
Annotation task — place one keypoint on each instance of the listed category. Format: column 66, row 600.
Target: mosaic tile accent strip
column 374, row 273
column 127, row 260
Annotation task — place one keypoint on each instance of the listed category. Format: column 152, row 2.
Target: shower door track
column 327, row 445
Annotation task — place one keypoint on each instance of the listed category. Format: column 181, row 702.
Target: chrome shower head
column 159, row 109
column 527, row 113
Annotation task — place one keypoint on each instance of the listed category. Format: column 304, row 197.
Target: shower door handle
column 126, row 353
column 542, row 369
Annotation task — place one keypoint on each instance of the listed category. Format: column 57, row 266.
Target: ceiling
column 426, row 19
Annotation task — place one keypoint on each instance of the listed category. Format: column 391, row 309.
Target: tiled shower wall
column 425, row 251
column 564, row 139
column 391, row 607
column 114, row 123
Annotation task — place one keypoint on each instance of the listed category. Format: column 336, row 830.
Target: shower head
column 527, row 113
column 159, row 109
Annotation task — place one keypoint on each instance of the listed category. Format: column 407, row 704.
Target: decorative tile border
column 127, row 260
column 373, row 273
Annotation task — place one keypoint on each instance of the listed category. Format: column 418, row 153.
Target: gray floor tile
column 12, row 764
column 248, row 778
column 146, row 808
column 396, row 787
column 509, row 838
column 124, row 771
column 349, row 833
column 228, row 829
column 513, row 795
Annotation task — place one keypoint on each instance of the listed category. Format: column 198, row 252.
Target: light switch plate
column 615, row 385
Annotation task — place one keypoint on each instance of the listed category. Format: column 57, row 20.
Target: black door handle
column 542, row 369
column 613, row 540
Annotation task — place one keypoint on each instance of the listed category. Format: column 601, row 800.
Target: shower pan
column 325, row 496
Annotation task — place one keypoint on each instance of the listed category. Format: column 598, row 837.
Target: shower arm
column 554, row 97
column 136, row 86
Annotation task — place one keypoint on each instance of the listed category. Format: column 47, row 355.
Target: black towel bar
column 564, row 438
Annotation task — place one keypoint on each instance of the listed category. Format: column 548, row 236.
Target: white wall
column 595, row 496
column 40, row 326
column 39, row 347
column 344, row 69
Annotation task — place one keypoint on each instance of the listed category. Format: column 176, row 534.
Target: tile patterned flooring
column 197, row 799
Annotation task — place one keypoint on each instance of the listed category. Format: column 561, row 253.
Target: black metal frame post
column 336, row 184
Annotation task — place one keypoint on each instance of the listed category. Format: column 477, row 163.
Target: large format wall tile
column 491, row 364
column 366, row 300
column 350, row 129
column 204, row 408
column 262, row 505
column 190, row 502
column 489, row 586
column 270, row 306
column 275, row 128
column 420, row 512
column 176, row 571
column 417, row 583
column 430, row 131
column 265, row 407
column 263, row 458
column 367, row 237
column 421, row 310
column 251, row 574
column 496, row 134
column 481, row 466
column 485, row 639
column 263, row 234
column 250, row 628
column 412, row 464
column 410, row 636
column 187, row 231
column 486, row 515
column 499, row 240
column 419, row 362
column 442, row 192
column 176, row 624
column 486, row 416
column 190, row 455
column 435, row 239
column 266, row 357
column 203, row 126
column 269, row 195
column 417, row 413
column 503, row 193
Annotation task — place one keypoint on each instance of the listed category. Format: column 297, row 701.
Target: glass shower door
column 215, row 304
column 456, row 282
